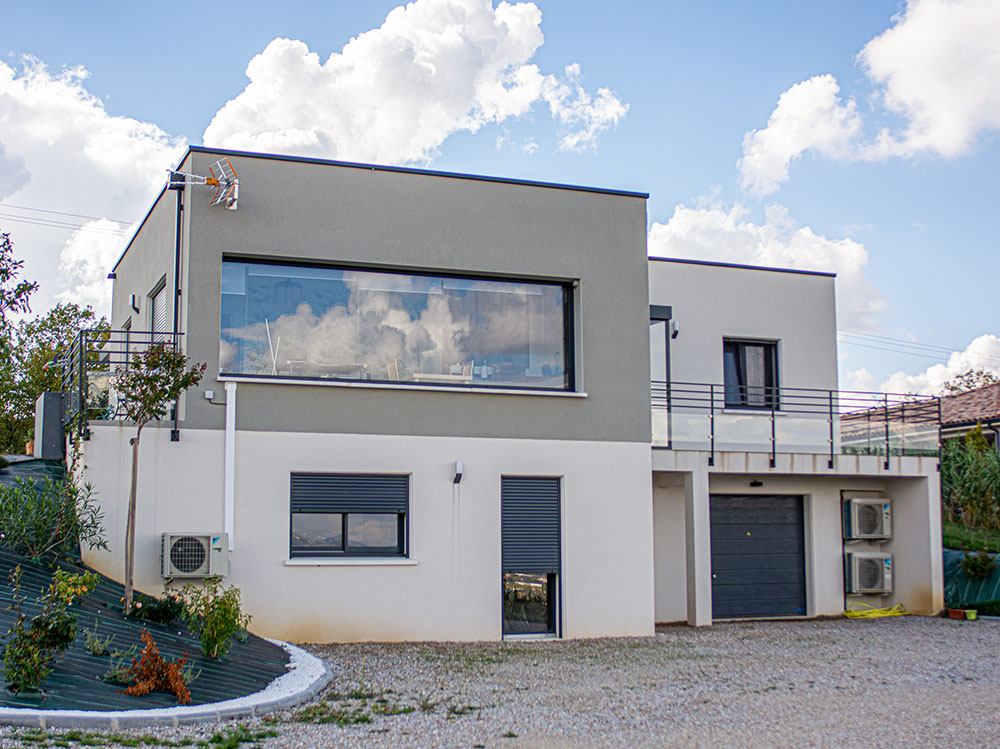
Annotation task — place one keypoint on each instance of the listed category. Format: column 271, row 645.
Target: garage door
column 758, row 556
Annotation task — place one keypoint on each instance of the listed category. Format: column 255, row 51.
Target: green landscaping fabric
column 76, row 682
column 959, row 588
column 31, row 468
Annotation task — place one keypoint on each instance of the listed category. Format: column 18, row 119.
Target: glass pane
column 528, row 604
column 372, row 531
column 284, row 320
column 658, row 380
column 319, row 530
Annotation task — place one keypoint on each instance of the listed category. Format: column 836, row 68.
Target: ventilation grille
column 869, row 520
column 188, row 554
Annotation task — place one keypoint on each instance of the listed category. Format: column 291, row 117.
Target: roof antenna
column 223, row 179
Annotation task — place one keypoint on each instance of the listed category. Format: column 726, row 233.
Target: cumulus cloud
column 721, row 234
column 85, row 260
column 936, row 68
column 395, row 93
column 809, row 115
column 939, row 68
column 982, row 353
column 65, row 152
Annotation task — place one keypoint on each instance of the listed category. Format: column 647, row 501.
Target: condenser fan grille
column 187, row 554
column 870, row 573
column 870, row 519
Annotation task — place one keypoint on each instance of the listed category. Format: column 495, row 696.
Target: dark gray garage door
column 758, row 556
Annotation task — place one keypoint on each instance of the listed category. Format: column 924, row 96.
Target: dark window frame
column 567, row 286
column 738, row 395
column 401, row 550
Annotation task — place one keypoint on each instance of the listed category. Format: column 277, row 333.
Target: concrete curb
column 307, row 675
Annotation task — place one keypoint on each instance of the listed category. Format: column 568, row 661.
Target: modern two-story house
column 450, row 407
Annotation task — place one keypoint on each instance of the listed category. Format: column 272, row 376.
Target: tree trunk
column 130, row 527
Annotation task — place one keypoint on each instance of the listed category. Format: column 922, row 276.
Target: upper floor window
column 348, row 324
column 750, row 373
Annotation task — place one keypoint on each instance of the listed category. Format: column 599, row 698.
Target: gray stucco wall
column 336, row 213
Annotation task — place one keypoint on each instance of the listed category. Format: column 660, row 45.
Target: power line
column 61, row 213
column 988, row 360
column 897, row 341
column 65, row 226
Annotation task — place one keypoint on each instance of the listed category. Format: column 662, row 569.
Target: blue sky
column 905, row 218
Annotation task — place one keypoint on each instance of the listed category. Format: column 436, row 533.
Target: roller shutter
column 529, row 524
column 346, row 492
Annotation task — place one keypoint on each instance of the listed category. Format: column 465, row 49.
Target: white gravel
column 904, row 681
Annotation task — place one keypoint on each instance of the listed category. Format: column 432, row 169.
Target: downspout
column 229, row 486
column 175, row 433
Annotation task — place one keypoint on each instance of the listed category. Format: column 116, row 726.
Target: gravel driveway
column 905, row 681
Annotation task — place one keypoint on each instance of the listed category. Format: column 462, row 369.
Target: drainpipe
column 175, row 433
column 229, row 491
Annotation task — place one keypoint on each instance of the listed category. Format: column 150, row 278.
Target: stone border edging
column 306, row 676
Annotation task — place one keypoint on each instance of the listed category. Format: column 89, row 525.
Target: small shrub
column 4, row 463
column 977, row 566
column 213, row 614
column 26, row 664
column 50, row 518
column 158, row 610
column 68, row 586
column 97, row 645
column 151, row 672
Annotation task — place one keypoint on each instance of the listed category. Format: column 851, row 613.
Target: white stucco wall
column 916, row 542
column 450, row 587
column 712, row 302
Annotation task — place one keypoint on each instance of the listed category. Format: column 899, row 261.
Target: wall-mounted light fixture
column 133, row 302
column 458, row 472
column 112, row 276
column 675, row 329
column 756, row 483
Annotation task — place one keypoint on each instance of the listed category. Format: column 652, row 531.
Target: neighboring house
column 962, row 412
column 427, row 414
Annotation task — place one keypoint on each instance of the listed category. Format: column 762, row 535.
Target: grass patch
column 957, row 536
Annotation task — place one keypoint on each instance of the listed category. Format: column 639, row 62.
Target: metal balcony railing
column 713, row 417
column 91, row 365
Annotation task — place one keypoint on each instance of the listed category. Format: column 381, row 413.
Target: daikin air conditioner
column 867, row 518
column 195, row 554
column 868, row 572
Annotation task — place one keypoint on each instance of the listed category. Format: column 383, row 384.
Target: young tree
column 971, row 380
column 29, row 368
column 155, row 378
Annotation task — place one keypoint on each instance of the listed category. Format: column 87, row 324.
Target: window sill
column 758, row 411
column 351, row 562
column 400, row 386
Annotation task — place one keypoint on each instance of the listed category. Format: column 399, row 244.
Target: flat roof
column 743, row 267
column 412, row 170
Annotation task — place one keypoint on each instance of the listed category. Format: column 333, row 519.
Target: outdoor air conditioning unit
column 867, row 518
column 868, row 572
column 195, row 554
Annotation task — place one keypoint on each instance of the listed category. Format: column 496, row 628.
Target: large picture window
column 345, row 324
column 347, row 514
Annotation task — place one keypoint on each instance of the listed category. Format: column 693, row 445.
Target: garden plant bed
column 77, row 683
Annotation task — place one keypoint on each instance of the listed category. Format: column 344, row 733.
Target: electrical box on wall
column 867, row 573
column 867, row 518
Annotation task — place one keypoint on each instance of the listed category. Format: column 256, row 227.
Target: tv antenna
column 223, row 179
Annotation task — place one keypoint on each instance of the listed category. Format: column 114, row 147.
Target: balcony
column 717, row 418
column 90, row 367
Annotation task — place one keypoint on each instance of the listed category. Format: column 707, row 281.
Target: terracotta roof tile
column 981, row 404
